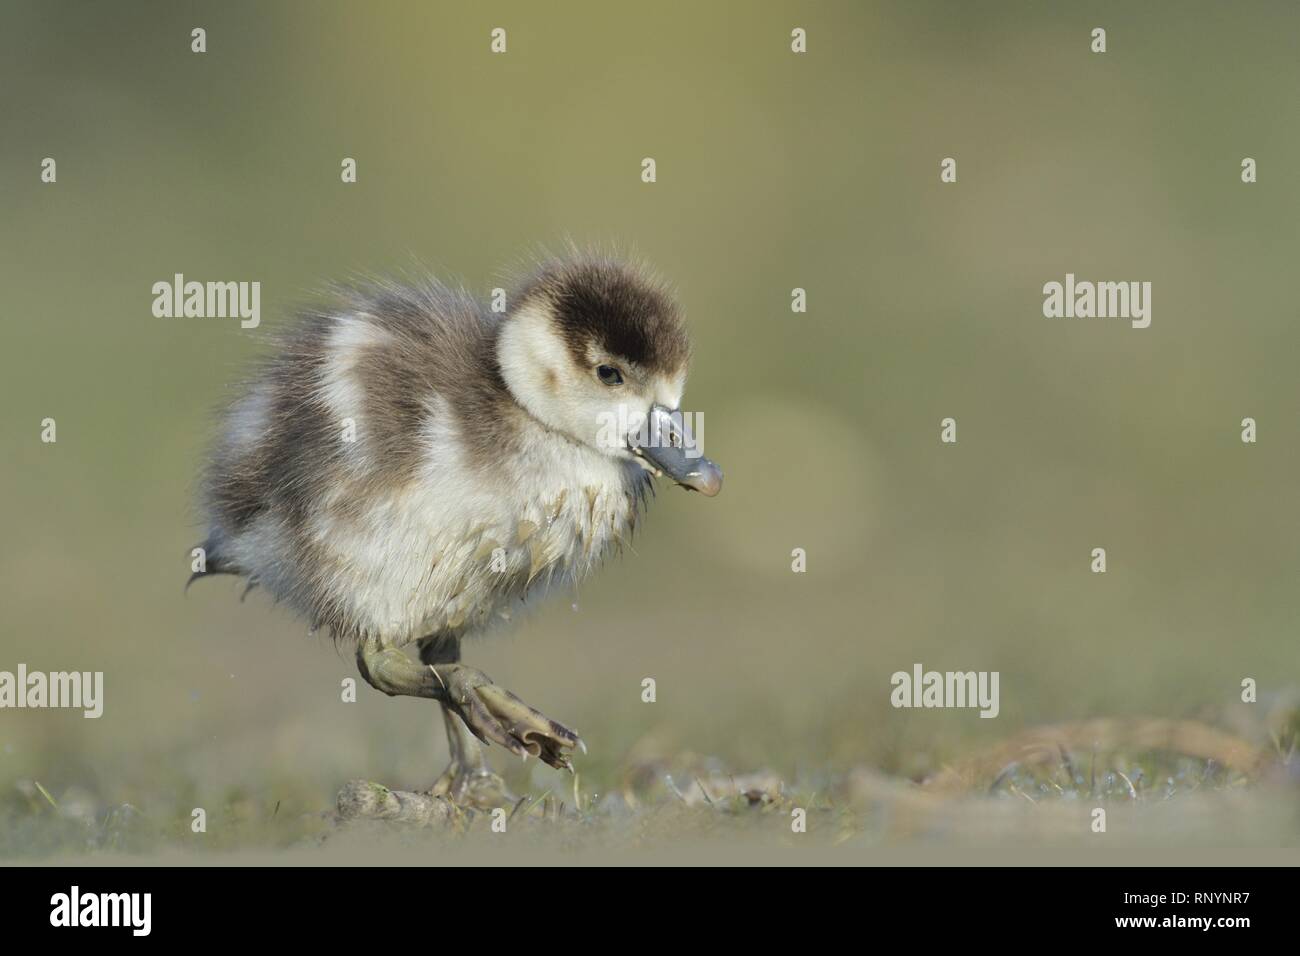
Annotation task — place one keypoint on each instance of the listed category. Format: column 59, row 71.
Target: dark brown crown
column 615, row 307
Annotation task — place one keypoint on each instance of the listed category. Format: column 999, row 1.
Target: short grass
column 1161, row 783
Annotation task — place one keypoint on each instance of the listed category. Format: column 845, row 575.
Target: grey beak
column 667, row 444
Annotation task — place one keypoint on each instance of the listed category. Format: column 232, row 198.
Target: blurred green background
column 775, row 170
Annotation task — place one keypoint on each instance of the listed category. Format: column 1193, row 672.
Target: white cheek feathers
column 539, row 371
column 668, row 390
column 535, row 363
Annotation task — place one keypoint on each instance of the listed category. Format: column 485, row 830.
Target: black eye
column 609, row 375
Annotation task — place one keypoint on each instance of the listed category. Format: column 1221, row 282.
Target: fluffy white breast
column 459, row 547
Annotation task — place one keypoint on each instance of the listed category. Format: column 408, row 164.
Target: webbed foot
column 495, row 715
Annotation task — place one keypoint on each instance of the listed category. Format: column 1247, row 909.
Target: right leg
column 468, row 781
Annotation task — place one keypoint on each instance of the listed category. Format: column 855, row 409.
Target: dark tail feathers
column 213, row 565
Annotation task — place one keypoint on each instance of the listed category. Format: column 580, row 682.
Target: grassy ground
column 1161, row 783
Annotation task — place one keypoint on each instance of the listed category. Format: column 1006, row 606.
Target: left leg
column 490, row 712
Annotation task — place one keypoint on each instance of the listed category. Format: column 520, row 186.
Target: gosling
column 410, row 466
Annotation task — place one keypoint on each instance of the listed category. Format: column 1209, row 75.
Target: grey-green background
column 774, row 171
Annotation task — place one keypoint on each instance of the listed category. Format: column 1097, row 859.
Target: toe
column 538, row 734
column 486, row 727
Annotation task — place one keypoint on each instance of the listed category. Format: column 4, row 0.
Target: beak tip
column 708, row 482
